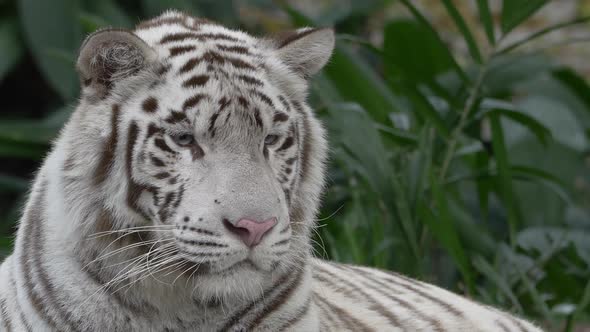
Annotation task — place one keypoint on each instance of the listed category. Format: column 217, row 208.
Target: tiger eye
column 183, row 139
column 271, row 139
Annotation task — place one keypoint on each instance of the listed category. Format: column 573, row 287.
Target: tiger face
column 204, row 135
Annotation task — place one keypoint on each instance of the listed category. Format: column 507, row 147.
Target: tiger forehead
column 206, row 67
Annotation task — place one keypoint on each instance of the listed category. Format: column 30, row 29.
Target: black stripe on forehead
column 181, row 36
column 176, row 117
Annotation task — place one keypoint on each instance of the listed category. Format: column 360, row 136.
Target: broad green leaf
column 16, row 149
column 50, row 27
column 111, row 12
column 414, row 53
column 464, row 29
column 486, row 18
column 504, row 175
column 548, row 240
column 9, row 183
column 156, row 7
column 91, row 22
column 27, row 131
column 11, row 45
column 506, row 72
column 367, row 88
column 516, row 11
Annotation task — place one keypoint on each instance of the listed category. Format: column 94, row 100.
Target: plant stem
column 453, row 139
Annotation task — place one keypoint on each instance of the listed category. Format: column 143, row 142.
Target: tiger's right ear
column 109, row 55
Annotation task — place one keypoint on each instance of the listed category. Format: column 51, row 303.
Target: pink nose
column 250, row 231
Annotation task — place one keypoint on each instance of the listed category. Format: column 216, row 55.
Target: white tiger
column 181, row 193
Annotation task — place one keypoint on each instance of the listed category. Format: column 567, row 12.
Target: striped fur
column 183, row 128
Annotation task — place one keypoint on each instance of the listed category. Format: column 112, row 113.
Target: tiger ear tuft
column 306, row 50
column 109, row 55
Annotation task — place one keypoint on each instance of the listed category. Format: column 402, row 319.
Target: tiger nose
column 250, row 231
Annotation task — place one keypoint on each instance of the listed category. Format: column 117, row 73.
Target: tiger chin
column 181, row 193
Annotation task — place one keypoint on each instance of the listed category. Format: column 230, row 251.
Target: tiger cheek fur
column 181, row 194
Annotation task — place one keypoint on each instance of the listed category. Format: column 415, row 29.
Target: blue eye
column 271, row 139
column 183, row 139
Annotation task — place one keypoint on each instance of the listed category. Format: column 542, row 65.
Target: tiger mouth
column 211, row 267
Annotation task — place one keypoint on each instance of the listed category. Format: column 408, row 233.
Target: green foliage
column 460, row 172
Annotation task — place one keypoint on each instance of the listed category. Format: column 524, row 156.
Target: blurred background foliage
column 459, row 132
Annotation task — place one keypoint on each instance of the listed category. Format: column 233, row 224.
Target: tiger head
column 200, row 136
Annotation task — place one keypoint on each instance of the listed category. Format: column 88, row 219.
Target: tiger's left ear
column 306, row 50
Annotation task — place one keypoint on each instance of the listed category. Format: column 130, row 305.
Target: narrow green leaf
column 462, row 26
column 516, row 11
column 500, row 282
column 542, row 32
column 443, row 228
column 488, row 21
column 11, row 45
column 576, row 83
column 51, row 26
column 420, row 166
column 398, row 136
column 424, row 108
column 584, row 302
column 504, row 176
column 542, row 133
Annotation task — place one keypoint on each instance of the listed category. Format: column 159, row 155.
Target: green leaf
column 91, row 22
column 542, row 133
column 443, row 228
column 500, row 282
column 27, row 131
column 462, row 26
column 51, row 26
column 542, row 32
column 504, row 176
column 111, row 12
column 506, row 72
column 488, row 21
column 9, row 183
column 556, row 116
column 424, row 108
column 398, row 136
column 11, row 45
column 12, row 149
column 157, row 7
column 367, row 88
column 516, row 11
column 414, row 53
column 576, row 83
column 546, row 179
